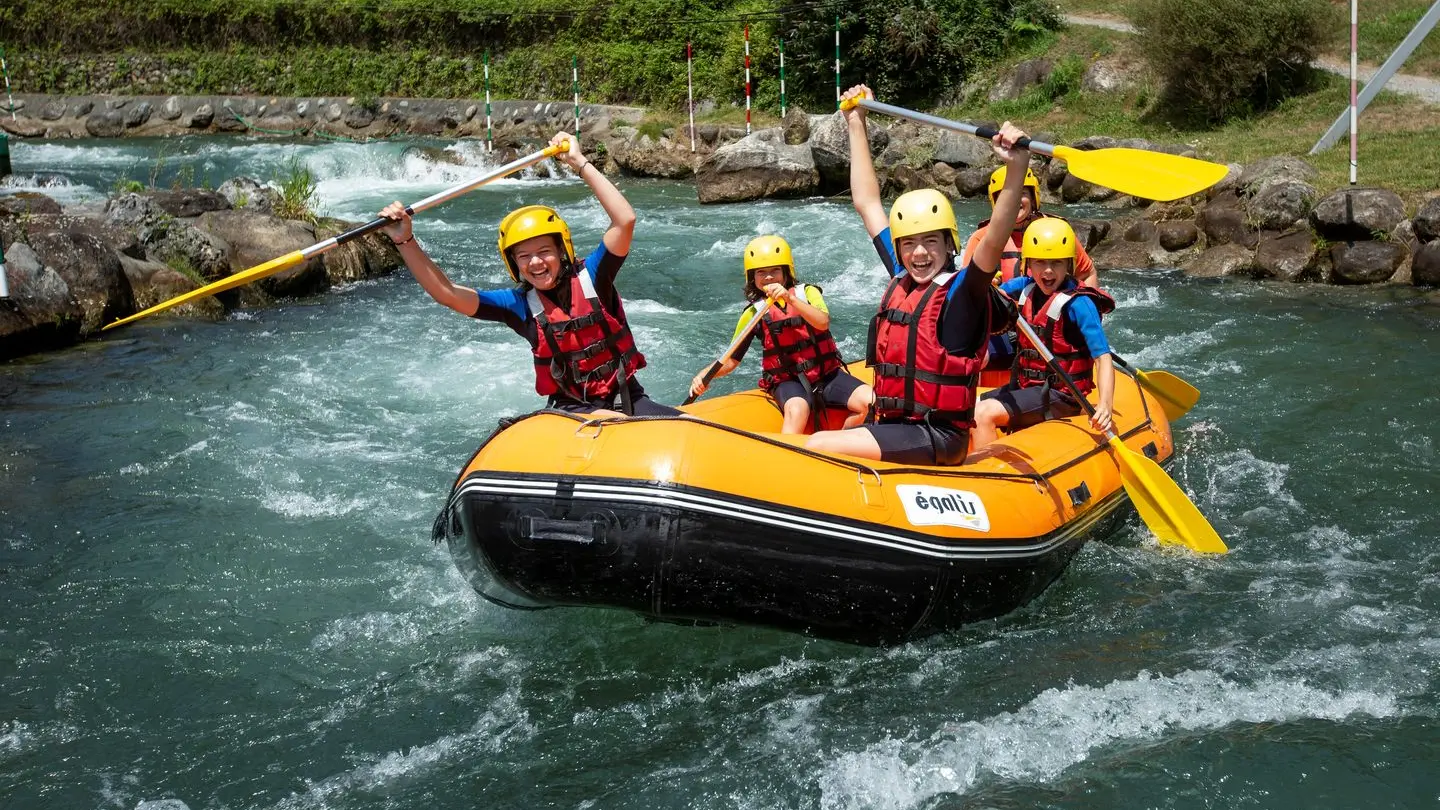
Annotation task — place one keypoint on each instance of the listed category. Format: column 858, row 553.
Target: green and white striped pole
column 782, row 78
column 837, row 61
column 575, row 77
column 489, row 133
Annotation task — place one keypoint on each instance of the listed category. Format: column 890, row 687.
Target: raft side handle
column 1151, row 451
column 580, row 532
column 875, row 497
column 1079, row 495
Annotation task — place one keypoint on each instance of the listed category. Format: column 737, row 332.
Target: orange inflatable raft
column 719, row 518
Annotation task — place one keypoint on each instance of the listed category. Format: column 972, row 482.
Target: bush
column 1226, row 58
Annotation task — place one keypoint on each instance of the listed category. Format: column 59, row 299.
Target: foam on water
column 1061, row 728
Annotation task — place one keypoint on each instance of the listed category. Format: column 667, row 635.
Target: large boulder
column 1279, row 169
column 1357, row 213
column 797, row 127
column 1285, row 256
column 1022, row 77
column 830, row 148
column 962, row 150
column 189, row 202
column 154, row 282
column 247, row 192
column 41, row 314
column 1177, row 234
column 255, row 238
column 756, row 167
column 370, row 256
column 184, row 246
column 1365, row 262
column 1427, row 220
column 1425, row 270
column 1222, row 260
column 105, row 124
column 27, row 204
column 1224, row 221
column 92, row 272
column 1280, row 205
column 648, row 158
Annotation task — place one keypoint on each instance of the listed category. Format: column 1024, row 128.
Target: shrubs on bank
column 1225, row 58
column 629, row 50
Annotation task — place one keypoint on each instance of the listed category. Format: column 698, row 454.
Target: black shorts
column 835, row 390
column 1027, row 406
column 640, row 403
column 930, row 444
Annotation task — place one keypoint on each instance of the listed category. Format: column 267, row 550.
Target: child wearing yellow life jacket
column 1066, row 316
column 801, row 367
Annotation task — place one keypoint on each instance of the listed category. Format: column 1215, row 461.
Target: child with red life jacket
column 928, row 341
column 1066, row 316
column 568, row 311
column 801, row 367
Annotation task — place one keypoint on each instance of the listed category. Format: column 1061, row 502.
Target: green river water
column 218, row 588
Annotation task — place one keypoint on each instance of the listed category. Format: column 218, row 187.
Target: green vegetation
column 629, row 50
column 297, row 192
column 1397, row 134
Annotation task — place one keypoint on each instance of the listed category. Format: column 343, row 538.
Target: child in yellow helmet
column 928, row 341
column 1066, row 316
column 569, row 312
column 1029, row 212
column 801, row 367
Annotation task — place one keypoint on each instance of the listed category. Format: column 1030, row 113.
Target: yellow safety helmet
column 529, row 222
column 769, row 251
column 922, row 211
column 997, row 182
column 1048, row 238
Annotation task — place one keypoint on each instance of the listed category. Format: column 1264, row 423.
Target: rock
column 1285, row 256
column 908, row 178
column 1427, row 220
column 359, row 118
column 133, row 211
column 201, row 117
column 333, row 113
column 43, row 314
column 646, row 159
column 943, row 174
column 1141, row 230
column 108, row 124
column 1357, row 213
column 1118, row 254
column 1022, row 77
column 1090, row 232
column 829, row 150
column 189, row 202
column 1108, row 76
column 52, row 111
column 1223, row 222
column 1425, row 270
column 972, row 182
column 1073, row 189
column 171, row 109
column 1280, row 204
column 1177, row 234
column 254, row 237
column 758, row 166
column 26, row 204
column 1365, row 262
column 471, row 111
column 82, row 109
column 1278, row 169
column 185, row 246
column 153, row 282
column 22, row 127
column 138, row 114
column 116, row 238
column 370, row 256
column 1230, row 182
column 91, row 271
column 1096, row 142
column 228, row 120
column 1221, row 260
column 247, row 192
column 302, row 110
column 796, row 126
column 962, row 150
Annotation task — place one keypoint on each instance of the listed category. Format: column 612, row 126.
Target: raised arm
column 622, row 216
column 461, row 299
column 864, row 186
column 1007, row 204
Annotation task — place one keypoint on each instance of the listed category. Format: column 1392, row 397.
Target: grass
column 1396, row 143
column 1383, row 25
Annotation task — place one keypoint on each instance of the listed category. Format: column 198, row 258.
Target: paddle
column 1160, row 501
column 260, row 271
column 1176, row 396
column 729, row 350
column 1137, row 172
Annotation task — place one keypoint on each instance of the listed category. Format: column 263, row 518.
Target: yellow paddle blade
column 1162, row 504
column 1142, row 173
column 230, row 282
column 1176, row 396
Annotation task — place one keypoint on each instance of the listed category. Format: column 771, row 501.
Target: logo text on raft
column 939, row 506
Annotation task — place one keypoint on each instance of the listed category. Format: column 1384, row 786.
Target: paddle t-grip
column 709, row 375
column 988, row 133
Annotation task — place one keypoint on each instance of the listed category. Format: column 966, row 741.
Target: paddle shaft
column 729, row 350
column 1055, row 367
column 954, row 126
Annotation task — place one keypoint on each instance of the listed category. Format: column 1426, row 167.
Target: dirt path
column 1425, row 89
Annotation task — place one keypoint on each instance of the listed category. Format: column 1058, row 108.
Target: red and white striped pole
column 690, row 91
column 1354, row 113
column 747, row 78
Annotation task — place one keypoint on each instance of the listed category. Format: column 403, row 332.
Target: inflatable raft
column 720, row 518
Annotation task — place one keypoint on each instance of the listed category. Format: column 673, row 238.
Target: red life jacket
column 585, row 353
column 916, row 378
column 1048, row 321
column 794, row 347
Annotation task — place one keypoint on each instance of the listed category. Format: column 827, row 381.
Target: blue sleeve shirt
column 1079, row 313
column 508, row 305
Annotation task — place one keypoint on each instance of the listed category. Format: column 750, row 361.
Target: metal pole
column 6, row 70
column 747, row 78
column 1377, row 82
column 489, row 133
column 782, row 78
column 1354, row 46
column 690, row 91
column 575, row 76
column 837, row 61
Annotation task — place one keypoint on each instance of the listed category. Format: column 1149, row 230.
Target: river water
column 218, row 588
